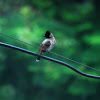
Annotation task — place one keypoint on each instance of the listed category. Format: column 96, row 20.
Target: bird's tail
column 38, row 58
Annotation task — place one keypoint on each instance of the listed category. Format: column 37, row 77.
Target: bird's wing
column 45, row 45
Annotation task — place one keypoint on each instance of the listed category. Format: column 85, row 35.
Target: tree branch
column 50, row 59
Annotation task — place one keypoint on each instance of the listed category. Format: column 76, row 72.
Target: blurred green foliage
column 74, row 24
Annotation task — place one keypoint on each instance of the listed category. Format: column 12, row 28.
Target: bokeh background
column 75, row 25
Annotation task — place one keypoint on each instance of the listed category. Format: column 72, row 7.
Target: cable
column 75, row 61
column 50, row 59
column 19, row 40
column 53, row 53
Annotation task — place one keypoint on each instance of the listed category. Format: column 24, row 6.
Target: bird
column 47, row 44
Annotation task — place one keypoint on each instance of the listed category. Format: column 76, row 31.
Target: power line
column 19, row 40
column 75, row 61
column 50, row 59
column 52, row 53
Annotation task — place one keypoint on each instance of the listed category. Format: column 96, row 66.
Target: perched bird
column 47, row 44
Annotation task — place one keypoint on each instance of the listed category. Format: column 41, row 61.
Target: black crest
column 47, row 34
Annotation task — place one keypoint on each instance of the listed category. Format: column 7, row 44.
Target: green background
column 75, row 25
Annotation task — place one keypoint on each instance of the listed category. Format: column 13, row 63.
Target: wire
column 50, row 59
column 75, row 61
column 19, row 40
column 53, row 53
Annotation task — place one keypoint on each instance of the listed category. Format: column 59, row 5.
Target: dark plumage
column 47, row 34
column 45, row 46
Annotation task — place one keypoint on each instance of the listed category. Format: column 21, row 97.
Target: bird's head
column 48, row 34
